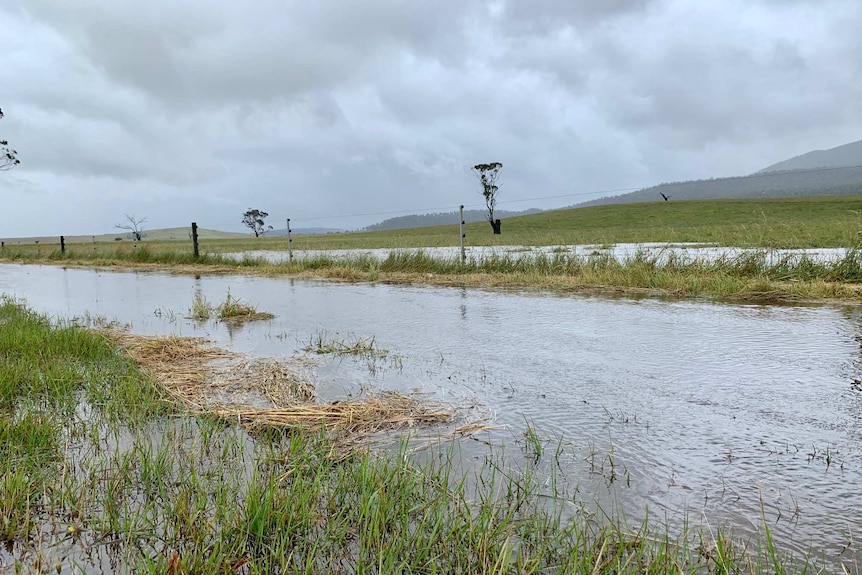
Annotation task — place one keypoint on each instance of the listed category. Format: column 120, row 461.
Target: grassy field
column 101, row 472
column 775, row 223
column 164, row 234
column 761, row 224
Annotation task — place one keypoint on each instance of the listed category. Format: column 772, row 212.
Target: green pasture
column 770, row 223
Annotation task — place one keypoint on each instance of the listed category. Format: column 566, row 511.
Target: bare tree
column 8, row 156
column 135, row 226
column 255, row 220
column 488, row 174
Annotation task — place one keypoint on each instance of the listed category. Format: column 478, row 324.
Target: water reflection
column 725, row 412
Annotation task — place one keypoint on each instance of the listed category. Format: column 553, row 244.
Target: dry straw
column 266, row 393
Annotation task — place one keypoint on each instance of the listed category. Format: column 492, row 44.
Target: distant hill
column 819, row 182
column 834, row 172
column 179, row 234
column 846, row 155
column 149, row 235
column 441, row 218
column 302, row 231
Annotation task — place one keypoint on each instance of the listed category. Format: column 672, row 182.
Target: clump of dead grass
column 180, row 365
column 273, row 383
column 266, row 393
column 360, row 417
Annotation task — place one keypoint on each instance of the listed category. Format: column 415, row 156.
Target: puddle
column 695, row 410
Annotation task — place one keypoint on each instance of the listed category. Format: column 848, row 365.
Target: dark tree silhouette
column 135, row 226
column 488, row 174
column 255, row 220
column 8, row 156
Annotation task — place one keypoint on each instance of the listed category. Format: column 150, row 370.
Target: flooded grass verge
column 103, row 471
column 751, row 276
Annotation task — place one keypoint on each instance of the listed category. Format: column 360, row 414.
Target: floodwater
column 684, row 252
column 698, row 411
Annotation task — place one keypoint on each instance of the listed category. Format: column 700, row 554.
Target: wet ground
column 692, row 409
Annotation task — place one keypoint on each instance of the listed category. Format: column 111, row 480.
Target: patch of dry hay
column 265, row 393
column 181, row 366
column 271, row 380
column 360, row 417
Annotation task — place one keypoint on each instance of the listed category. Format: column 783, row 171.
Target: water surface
column 692, row 409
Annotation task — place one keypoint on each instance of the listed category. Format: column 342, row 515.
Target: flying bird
column 666, row 198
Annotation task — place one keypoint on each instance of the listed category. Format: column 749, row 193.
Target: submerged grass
column 325, row 343
column 94, row 476
column 231, row 310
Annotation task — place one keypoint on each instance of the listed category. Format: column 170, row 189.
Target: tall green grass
column 53, row 366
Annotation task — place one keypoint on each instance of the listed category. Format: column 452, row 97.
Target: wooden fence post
column 195, row 239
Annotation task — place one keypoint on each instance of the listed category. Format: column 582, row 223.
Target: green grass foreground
column 759, row 224
column 98, row 473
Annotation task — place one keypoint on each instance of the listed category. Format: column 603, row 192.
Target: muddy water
column 698, row 411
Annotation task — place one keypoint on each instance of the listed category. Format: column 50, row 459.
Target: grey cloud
column 524, row 17
column 194, row 52
column 744, row 84
column 199, row 109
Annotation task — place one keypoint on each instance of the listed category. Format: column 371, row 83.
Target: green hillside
column 787, row 222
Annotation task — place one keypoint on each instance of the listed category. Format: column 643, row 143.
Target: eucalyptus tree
column 488, row 174
column 8, row 156
column 254, row 219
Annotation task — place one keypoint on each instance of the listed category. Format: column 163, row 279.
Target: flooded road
column 692, row 409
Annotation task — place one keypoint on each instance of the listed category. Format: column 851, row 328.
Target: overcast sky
column 324, row 111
